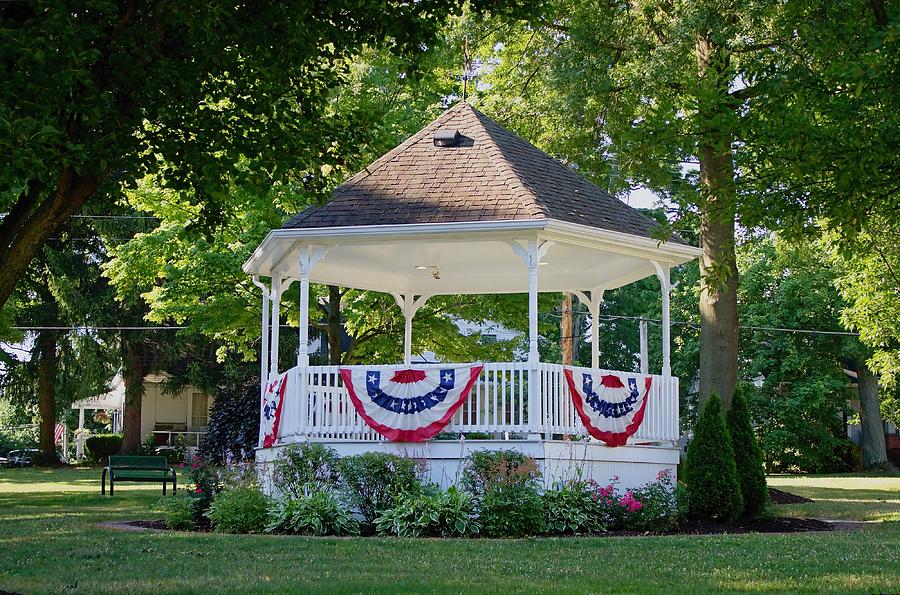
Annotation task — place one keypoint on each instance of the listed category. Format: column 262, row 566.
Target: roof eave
column 325, row 235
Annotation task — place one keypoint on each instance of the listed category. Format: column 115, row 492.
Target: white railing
column 191, row 437
column 498, row 404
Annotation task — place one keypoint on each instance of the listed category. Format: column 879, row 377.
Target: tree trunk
column 565, row 330
column 874, row 453
column 334, row 325
column 47, row 395
column 133, row 372
column 26, row 229
column 718, row 267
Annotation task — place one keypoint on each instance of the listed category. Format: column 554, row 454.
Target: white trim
column 572, row 233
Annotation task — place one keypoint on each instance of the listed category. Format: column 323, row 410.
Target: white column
column 79, row 441
column 408, row 314
column 275, row 323
column 596, row 300
column 303, row 347
column 645, row 360
column 264, row 337
column 662, row 271
column 535, row 416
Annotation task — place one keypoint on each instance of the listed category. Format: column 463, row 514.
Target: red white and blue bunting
column 273, row 402
column 409, row 405
column 611, row 405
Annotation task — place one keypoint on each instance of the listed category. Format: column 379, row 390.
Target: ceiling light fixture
column 542, row 264
column 421, row 267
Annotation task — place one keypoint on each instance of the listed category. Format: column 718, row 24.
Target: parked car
column 3, row 461
column 21, row 458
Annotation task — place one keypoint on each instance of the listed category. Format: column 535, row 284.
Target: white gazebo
column 467, row 207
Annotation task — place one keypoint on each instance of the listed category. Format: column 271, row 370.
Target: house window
column 488, row 339
column 199, row 410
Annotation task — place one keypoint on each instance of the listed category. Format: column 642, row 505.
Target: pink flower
column 198, row 491
column 663, row 474
column 196, row 465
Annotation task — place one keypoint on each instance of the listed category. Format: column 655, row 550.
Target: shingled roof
column 491, row 174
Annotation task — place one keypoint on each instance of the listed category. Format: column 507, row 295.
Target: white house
column 165, row 415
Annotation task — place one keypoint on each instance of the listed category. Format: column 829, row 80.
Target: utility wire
column 602, row 317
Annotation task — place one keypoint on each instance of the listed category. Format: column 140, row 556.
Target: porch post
column 275, row 322
column 264, row 338
column 535, row 416
column 596, row 300
column 665, row 287
column 645, row 360
column 408, row 314
column 79, row 440
column 409, row 304
column 303, row 347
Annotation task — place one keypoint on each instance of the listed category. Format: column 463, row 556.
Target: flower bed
column 499, row 495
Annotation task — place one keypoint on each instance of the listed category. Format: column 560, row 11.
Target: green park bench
column 137, row 468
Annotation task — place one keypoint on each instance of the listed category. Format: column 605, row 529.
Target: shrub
column 487, row 468
column 571, row 510
column 512, row 510
column 660, row 509
column 102, row 445
column 177, row 510
column 148, row 446
column 241, row 510
column 439, row 514
column 748, row 457
column 372, row 481
column 714, row 492
column 318, row 513
column 305, row 468
column 204, row 482
column 233, row 431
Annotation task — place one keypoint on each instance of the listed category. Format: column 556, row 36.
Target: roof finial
column 467, row 67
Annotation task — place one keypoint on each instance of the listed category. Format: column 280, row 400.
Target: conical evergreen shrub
column 748, row 456
column 714, row 492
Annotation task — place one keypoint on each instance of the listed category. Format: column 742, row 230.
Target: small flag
column 58, row 433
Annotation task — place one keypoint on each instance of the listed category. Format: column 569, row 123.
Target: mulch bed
column 770, row 525
column 780, row 497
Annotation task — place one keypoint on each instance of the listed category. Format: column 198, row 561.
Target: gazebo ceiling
column 441, row 219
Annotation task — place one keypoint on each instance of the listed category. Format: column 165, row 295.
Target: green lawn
column 49, row 542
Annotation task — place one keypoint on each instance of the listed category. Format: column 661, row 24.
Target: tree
column 747, row 457
column 796, row 383
column 97, row 96
column 686, row 99
column 714, row 491
column 61, row 289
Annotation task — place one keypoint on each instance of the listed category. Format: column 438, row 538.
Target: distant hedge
column 102, row 445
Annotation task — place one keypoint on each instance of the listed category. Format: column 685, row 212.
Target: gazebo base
column 559, row 460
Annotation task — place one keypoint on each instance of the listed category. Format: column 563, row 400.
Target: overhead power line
column 115, row 217
column 602, row 317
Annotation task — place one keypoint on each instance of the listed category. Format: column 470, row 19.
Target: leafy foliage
column 240, row 510
column 571, row 509
column 714, row 491
column 102, row 445
column 373, row 481
column 748, row 457
column 315, row 513
column 306, row 468
column 485, row 469
column 431, row 513
column 512, row 510
column 233, row 430
column 177, row 510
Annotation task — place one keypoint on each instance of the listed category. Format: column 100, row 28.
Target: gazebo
column 465, row 206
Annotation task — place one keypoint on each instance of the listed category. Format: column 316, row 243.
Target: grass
column 50, row 542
